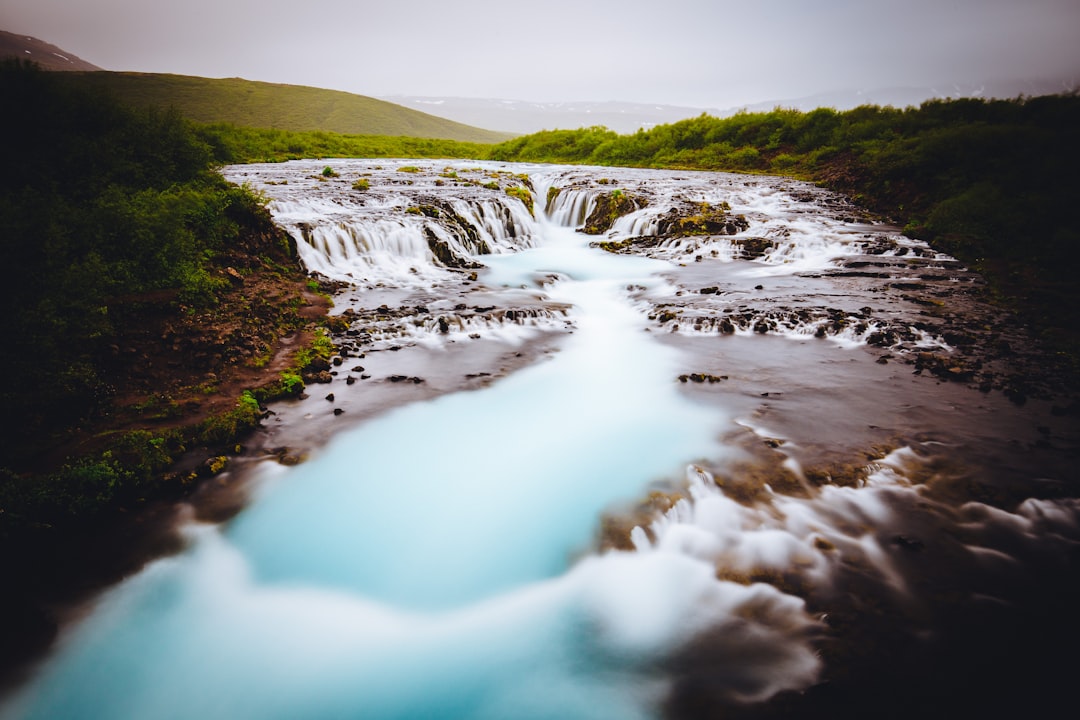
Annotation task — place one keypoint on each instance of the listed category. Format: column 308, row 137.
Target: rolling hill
column 270, row 105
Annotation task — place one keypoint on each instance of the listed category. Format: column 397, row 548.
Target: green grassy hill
column 283, row 107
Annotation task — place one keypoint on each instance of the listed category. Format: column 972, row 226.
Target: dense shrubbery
column 100, row 207
column 993, row 182
column 231, row 143
column 114, row 222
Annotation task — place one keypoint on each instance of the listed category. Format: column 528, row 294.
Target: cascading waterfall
column 439, row 559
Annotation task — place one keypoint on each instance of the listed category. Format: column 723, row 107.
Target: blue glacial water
column 424, row 563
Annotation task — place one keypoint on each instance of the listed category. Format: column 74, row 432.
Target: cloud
column 688, row 52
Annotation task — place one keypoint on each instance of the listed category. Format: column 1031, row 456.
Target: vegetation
column 522, row 194
column 128, row 253
column 234, row 144
column 991, row 182
column 267, row 105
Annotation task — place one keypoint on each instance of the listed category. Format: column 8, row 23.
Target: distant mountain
column 521, row 116
column 47, row 56
column 270, row 105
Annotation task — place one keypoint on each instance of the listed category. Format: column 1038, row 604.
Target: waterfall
column 721, row 474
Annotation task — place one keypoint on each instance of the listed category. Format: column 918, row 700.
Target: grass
column 276, row 106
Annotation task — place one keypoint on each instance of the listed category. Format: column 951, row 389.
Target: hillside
column 269, row 105
column 47, row 56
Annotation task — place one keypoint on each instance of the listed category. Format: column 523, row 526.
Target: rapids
column 696, row 475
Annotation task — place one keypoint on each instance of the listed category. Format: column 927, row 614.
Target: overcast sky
column 698, row 53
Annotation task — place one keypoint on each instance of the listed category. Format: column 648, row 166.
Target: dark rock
column 752, row 248
column 318, row 364
column 323, row 377
column 338, row 411
column 910, row 544
column 330, row 397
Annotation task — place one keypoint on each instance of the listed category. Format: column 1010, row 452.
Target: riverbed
column 790, row 467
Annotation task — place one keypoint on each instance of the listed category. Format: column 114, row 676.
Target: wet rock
column 330, row 397
column 318, row 364
column 702, row 378
column 338, row 411
column 701, row 219
column 608, row 209
column 752, row 248
column 321, row 377
column 909, row 544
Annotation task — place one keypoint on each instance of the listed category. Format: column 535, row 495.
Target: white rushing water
column 423, row 564
column 437, row 561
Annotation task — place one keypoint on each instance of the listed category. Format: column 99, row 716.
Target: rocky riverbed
column 733, row 448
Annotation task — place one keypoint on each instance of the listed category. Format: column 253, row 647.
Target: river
column 790, row 465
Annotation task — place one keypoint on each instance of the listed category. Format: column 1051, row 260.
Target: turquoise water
column 423, row 564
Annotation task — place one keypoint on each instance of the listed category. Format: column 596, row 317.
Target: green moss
column 521, row 194
column 608, row 208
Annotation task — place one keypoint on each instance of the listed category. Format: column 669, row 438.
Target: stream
column 784, row 466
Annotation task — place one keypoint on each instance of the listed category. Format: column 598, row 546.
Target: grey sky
column 698, row 53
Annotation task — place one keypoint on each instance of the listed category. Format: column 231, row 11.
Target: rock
column 910, row 544
column 330, row 397
column 609, row 207
column 323, row 377
column 702, row 378
column 338, row 411
column 318, row 364
column 701, row 219
column 752, row 248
